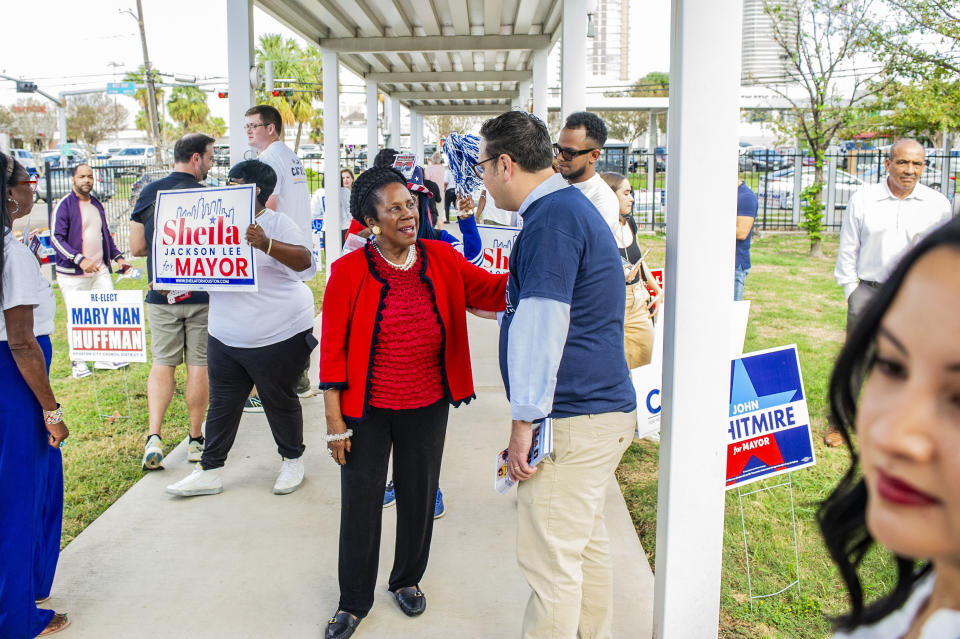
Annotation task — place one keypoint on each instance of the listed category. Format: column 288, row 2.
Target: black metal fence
column 779, row 178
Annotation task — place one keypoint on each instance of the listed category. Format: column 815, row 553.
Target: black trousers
column 449, row 199
column 416, row 436
column 274, row 369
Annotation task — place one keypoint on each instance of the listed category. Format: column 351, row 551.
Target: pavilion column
column 703, row 123
column 540, row 83
column 416, row 137
column 373, row 138
column 331, row 156
column 573, row 57
column 394, row 123
column 239, row 60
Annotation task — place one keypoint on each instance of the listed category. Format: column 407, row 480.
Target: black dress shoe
column 341, row 626
column 411, row 600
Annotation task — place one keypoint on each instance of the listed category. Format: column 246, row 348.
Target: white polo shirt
column 292, row 191
column 878, row 228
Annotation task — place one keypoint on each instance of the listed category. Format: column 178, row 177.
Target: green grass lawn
column 102, row 456
column 794, row 300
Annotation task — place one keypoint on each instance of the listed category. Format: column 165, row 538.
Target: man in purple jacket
column 84, row 247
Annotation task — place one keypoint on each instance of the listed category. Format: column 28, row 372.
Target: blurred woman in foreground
column 895, row 396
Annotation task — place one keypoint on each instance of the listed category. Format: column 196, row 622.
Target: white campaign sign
column 648, row 380
column 496, row 244
column 199, row 240
column 106, row 326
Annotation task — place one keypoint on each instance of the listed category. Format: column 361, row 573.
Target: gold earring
column 376, row 229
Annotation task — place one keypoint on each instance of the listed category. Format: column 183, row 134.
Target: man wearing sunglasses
column 84, row 247
column 577, row 149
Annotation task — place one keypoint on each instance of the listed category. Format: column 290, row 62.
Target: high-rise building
column 763, row 60
column 608, row 51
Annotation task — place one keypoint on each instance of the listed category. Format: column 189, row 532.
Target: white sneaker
column 290, row 477
column 79, row 370
column 108, row 366
column 199, row 482
column 153, row 453
column 194, row 450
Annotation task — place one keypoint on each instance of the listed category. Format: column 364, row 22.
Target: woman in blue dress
column 31, row 427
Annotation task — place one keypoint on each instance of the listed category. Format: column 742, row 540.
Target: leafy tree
column 39, row 123
column 921, row 38
column 142, row 96
column 215, row 127
column 91, row 118
column 631, row 126
column 922, row 109
column 188, row 107
column 822, row 42
column 304, row 70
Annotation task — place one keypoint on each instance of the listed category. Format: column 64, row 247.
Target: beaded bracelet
column 55, row 416
column 339, row 437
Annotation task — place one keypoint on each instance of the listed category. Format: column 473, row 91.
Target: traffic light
column 223, row 94
column 26, row 87
column 282, row 92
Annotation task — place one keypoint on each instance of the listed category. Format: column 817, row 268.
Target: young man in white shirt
column 882, row 222
column 577, row 149
column 290, row 197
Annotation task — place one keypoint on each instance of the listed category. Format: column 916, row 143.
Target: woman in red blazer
column 393, row 356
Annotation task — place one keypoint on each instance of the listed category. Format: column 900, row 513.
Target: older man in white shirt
column 884, row 220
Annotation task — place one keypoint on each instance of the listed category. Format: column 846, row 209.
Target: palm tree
column 303, row 68
column 188, row 107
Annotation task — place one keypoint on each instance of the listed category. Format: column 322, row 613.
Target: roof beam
column 410, row 44
column 460, row 109
column 453, row 95
column 450, row 76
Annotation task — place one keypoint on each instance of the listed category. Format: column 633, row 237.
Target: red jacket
column 352, row 302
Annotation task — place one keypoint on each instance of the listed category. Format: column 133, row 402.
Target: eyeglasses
column 478, row 169
column 34, row 183
column 252, row 126
column 569, row 154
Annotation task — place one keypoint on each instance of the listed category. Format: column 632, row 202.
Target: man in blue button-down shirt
column 561, row 356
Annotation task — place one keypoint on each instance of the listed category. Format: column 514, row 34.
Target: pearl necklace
column 411, row 257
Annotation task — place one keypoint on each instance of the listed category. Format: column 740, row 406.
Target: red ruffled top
column 406, row 362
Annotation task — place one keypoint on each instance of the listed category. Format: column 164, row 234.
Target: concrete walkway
column 247, row 563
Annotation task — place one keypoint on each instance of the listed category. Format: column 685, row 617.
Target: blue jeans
column 739, row 279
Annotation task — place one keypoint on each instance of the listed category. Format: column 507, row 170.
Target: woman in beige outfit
column 641, row 307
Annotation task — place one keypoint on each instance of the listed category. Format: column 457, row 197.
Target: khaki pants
column 562, row 544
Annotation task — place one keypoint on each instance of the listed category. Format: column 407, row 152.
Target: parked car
column 133, row 159
column 104, row 184
column 758, row 158
column 25, row 158
column 777, row 188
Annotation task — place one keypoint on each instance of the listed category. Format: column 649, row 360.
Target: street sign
column 121, row 88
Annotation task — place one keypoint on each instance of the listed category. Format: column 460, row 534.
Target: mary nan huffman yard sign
column 199, row 239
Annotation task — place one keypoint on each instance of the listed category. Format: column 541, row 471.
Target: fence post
column 945, row 186
column 797, row 183
column 830, row 193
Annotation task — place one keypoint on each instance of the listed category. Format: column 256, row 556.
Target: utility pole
column 151, row 89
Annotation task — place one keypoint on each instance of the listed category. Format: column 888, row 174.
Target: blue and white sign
column 121, row 88
column 768, row 430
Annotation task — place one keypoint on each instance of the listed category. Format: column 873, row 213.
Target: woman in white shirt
column 897, row 385
column 261, row 338
column 31, row 426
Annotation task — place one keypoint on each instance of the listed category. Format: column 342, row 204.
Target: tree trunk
column 296, row 145
column 816, row 248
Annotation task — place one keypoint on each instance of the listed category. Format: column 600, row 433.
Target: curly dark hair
column 256, row 172
column 366, row 190
column 595, row 127
column 842, row 515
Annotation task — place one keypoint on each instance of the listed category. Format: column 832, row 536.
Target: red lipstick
column 900, row 492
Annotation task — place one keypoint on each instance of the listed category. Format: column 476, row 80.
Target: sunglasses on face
column 569, row 154
column 34, row 183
